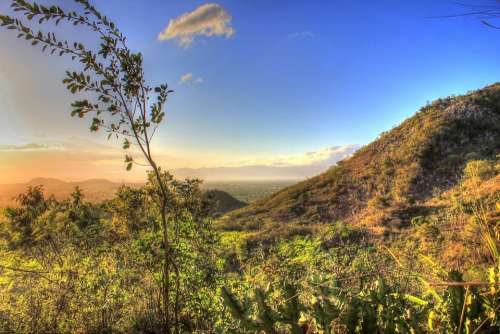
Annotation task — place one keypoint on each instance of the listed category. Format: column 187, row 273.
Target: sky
column 257, row 83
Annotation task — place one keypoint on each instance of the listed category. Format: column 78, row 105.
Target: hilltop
column 224, row 202
column 386, row 183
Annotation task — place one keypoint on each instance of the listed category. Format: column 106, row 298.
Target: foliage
column 119, row 100
column 72, row 266
column 343, row 287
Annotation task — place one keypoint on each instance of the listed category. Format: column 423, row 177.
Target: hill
column 386, row 183
column 224, row 202
column 97, row 190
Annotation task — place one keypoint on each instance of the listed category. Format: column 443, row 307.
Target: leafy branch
column 121, row 102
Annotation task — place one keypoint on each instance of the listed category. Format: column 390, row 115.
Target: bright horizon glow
column 256, row 83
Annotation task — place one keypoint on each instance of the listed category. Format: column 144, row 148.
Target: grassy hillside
column 386, row 183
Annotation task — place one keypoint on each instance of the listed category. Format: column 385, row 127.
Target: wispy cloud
column 302, row 35
column 207, row 20
column 29, row 147
column 189, row 78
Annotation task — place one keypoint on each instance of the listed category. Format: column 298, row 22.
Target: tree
column 120, row 101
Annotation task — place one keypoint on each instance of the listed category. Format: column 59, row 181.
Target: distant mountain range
column 245, row 182
column 282, row 172
column 96, row 190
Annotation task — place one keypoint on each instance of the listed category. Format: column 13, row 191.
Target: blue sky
column 293, row 76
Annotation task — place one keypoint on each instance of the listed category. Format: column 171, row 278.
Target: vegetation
column 440, row 275
column 75, row 267
column 121, row 102
column 403, row 237
column 72, row 266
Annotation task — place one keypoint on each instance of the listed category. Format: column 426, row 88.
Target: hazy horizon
column 250, row 173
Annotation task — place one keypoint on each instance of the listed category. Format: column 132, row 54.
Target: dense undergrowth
column 441, row 274
column 76, row 267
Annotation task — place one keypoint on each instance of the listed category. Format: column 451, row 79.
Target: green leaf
column 126, row 144
column 416, row 300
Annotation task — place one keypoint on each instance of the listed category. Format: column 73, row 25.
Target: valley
column 97, row 190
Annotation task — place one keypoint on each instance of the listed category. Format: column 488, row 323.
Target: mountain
column 223, row 201
column 321, row 160
column 46, row 182
column 389, row 180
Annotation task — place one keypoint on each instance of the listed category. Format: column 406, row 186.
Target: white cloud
column 207, row 20
column 320, row 158
column 189, row 78
column 330, row 155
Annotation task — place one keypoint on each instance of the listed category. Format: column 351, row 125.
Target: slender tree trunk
column 166, row 251
column 166, row 269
